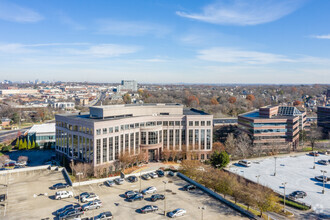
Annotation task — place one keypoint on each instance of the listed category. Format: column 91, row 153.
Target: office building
column 323, row 119
column 273, row 126
column 127, row 86
column 43, row 135
column 107, row 132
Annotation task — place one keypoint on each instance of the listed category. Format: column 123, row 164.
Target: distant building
column 63, row 105
column 323, row 118
column 107, row 132
column 18, row 91
column 127, row 86
column 5, row 122
column 82, row 101
column 273, row 126
column 43, row 135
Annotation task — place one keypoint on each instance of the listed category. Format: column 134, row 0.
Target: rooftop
column 43, row 128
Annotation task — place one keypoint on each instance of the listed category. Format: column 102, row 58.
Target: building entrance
column 151, row 155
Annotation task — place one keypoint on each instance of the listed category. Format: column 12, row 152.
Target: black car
column 297, row 195
column 70, row 214
column 104, row 216
column 3, row 197
column 157, row 197
column 160, row 173
column 130, row 193
column 322, row 178
column 60, row 186
column 137, row 196
column 148, row 208
column 68, row 207
column 189, row 187
column 132, row 179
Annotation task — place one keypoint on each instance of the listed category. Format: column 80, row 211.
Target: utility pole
column 275, row 166
column 284, row 196
column 324, row 180
column 165, row 182
column 202, row 208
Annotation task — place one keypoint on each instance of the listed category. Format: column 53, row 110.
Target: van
column 245, row 163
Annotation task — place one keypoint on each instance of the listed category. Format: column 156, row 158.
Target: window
column 131, row 126
column 165, row 138
column 98, row 151
column 203, row 139
column 196, row 123
column 159, row 122
column 160, row 136
column 183, row 123
column 191, row 123
column 136, row 142
column 121, row 150
column 183, row 137
column 132, row 143
column 153, row 137
column 126, row 127
column 104, row 159
column 196, row 139
column 177, row 123
column 150, row 123
column 116, row 147
column 143, row 137
column 122, row 127
column 208, row 139
column 105, row 130
column 98, row 131
column 142, row 124
column 177, row 139
column 116, row 129
column 165, row 123
column 202, row 123
column 137, row 125
column 110, row 130
column 191, row 138
column 126, row 142
column 171, row 139
column 110, row 148
column 171, row 123
column 208, row 123
column 202, row 156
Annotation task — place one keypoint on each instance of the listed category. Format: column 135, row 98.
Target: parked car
column 176, row 213
column 70, row 214
column 148, row 208
column 60, row 186
column 157, row 197
column 189, row 187
column 3, row 197
column 119, row 181
column 321, row 178
column 85, row 194
column 63, row 195
column 146, row 177
column 96, row 204
column 298, row 195
column 110, row 182
column 89, row 198
column 130, row 193
column 10, row 164
column 245, row 163
column 149, row 190
column 132, row 179
column 323, row 162
column 67, row 207
column 170, row 173
column 104, row 216
column 160, row 173
column 314, row 153
column 153, row 175
column 137, row 196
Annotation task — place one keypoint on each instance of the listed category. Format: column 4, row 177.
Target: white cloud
column 232, row 55
column 244, row 12
column 105, row 50
column 18, row 48
column 16, row 13
column 327, row 36
column 131, row 28
column 70, row 22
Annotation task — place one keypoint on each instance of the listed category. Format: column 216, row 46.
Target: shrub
column 6, row 148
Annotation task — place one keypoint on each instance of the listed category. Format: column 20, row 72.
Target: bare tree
column 244, row 144
column 314, row 135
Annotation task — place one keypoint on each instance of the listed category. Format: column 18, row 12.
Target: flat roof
column 43, row 128
column 255, row 115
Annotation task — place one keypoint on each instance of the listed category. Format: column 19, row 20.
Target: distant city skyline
column 216, row 42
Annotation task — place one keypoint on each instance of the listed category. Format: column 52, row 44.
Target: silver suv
column 96, row 204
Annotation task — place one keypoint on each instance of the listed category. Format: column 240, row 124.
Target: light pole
column 284, row 184
column 314, row 160
column 202, row 208
column 140, row 181
column 165, row 182
column 258, row 176
column 79, row 174
column 275, row 166
column 324, row 180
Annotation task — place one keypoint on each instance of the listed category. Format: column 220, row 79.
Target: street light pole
column 275, row 166
column 165, row 182
column 324, row 180
column 140, row 181
column 202, row 208
column 78, row 174
column 284, row 184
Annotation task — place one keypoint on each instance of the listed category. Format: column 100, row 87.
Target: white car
column 245, row 163
column 89, row 198
column 63, row 195
column 149, row 190
column 153, row 175
column 119, row 181
column 177, row 213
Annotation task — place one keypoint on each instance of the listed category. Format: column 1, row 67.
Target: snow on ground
column 299, row 174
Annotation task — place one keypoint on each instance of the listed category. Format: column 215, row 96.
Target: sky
column 166, row 41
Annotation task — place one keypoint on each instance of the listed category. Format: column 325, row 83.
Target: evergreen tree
column 219, row 160
column 24, row 145
column 20, row 144
column 29, row 145
column 17, row 143
column 33, row 145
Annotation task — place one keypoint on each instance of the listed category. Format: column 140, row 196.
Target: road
column 8, row 135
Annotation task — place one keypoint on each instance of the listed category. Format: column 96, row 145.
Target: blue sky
column 166, row 41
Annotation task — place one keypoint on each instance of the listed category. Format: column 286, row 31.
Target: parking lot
column 23, row 205
column 297, row 172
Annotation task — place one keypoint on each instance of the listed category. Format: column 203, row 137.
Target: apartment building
column 107, row 132
column 273, row 126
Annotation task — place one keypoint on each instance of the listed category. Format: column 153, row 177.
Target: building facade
column 107, row 132
column 128, row 86
column 270, row 127
column 323, row 119
column 43, row 135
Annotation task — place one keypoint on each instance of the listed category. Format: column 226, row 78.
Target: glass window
column 165, row 123
column 203, row 139
column 131, row 126
column 177, row 123
column 196, row 123
column 143, row 137
column 136, row 142
column 110, row 130
column 191, row 138
column 105, row 130
column 126, row 127
column 171, row 138
column 105, row 145
column 208, row 123
column 202, row 123
column 177, row 139
column 98, row 131
column 171, row 123
column 137, row 125
column 208, row 139
column 110, row 148
column 183, row 137
column 98, row 151
column 121, row 150
column 142, row 124
column 165, row 138
column 122, row 127
column 116, row 147
column 191, row 123
column 131, row 143
column 126, row 142
column 153, row 137
column 196, row 138
column 116, row 129
column 159, row 122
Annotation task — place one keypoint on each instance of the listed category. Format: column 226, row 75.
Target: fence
column 218, row 197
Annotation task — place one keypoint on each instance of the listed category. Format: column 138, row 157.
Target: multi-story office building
column 128, row 86
column 323, row 118
column 272, row 126
column 107, row 132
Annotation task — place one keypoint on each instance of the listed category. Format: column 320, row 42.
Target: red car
column 314, row 153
